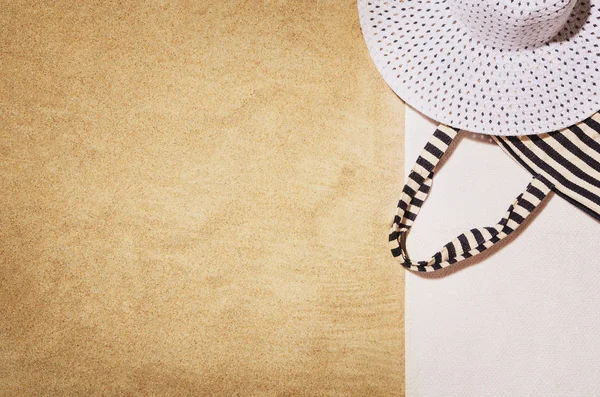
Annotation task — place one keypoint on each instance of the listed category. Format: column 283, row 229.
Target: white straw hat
column 501, row 67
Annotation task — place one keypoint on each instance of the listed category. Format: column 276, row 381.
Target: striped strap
column 569, row 159
column 468, row 244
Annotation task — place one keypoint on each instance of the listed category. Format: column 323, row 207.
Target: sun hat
column 501, row 67
column 565, row 161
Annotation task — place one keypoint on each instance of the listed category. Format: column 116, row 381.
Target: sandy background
column 195, row 200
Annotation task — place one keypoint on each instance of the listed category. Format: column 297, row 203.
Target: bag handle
column 468, row 244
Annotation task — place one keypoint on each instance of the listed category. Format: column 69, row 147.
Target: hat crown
column 512, row 24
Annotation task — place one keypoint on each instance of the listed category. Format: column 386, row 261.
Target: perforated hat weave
column 502, row 67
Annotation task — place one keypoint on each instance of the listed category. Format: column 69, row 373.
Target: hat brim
column 429, row 60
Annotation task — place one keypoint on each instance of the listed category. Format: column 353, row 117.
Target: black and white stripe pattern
column 467, row 244
column 568, row 160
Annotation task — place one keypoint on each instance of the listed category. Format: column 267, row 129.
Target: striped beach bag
column 565, row 161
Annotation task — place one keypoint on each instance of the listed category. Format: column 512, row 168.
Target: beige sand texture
column 195, row 200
